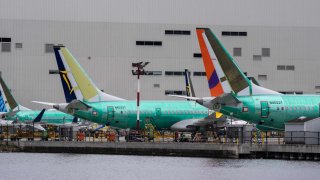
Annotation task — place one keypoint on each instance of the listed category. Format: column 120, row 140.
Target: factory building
column 272, row 41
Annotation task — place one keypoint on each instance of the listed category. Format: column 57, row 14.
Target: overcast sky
column 215, row 12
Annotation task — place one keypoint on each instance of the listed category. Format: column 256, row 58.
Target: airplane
column 220, row 120
column 235, row 95
column 13, row 112
column 97, row 106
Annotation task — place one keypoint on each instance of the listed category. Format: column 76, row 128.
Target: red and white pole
column 138, row 101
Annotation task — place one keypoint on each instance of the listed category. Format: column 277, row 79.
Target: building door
column 264, row 109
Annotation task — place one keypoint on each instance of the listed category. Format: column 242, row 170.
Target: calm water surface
column 82, row 166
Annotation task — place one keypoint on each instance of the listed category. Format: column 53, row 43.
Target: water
column 82, row 166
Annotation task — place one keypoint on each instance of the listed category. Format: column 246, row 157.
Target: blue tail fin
column 39, row 117
column 66, row 84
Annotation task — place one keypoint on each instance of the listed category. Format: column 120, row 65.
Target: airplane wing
column 193, row 124
column 5, row 122
column 37, row 126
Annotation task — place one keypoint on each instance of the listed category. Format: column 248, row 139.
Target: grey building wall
column 105, row 44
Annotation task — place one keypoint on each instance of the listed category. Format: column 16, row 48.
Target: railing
column 11, row 133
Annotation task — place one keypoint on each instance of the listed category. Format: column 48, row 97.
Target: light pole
column 139, row 71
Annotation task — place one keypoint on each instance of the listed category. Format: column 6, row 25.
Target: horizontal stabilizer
column 184, row 97
column 45, row 103
column 226, row 99
column 78, row 105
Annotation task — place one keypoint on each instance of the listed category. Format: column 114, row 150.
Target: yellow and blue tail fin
column 70, row 88
column 79, row 82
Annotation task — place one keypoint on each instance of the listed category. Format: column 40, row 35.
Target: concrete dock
column 273, row 151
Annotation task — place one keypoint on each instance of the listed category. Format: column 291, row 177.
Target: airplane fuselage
column 123, row 114
column 272, row 111
column 49, row 116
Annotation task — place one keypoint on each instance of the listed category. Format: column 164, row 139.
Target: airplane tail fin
column 39, row 117
column 78, row 78
column 189, row 86
column 223, row 73
column 75, row 120
column 7, row 101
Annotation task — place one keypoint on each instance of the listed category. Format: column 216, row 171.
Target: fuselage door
column 158, row 112
column 110, row 113
column 264, row 109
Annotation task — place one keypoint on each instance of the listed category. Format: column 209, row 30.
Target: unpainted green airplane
column 232, row 93
column 97, row 106
column 12, row 112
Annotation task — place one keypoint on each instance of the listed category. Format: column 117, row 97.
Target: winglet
column 75, row 120
column 39, row 117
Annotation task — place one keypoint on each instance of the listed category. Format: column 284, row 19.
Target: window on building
column 155, row 73
column 226, row 33
column 317, row 87
column 177, row 32
column 5, row 47
column 140, row 43
column 262, row 77
column 156, row 85
column 175, row 92
column 265, row 52
column 18, row 45
column 174, row 73
column 233, row 33
column 157, row 43
column 197, row 55
column 236, row 51
column 51, row 71
column 49, row 48
column 281, row 67
column 257, row 58
column 168, row 32
column 290, row 68
column 199, row 73
column 5, row 39
column 242, row 33
column 149, row 43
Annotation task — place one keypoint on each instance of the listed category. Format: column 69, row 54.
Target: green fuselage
column 272, row 111
column 123, row 114
column 49, row 116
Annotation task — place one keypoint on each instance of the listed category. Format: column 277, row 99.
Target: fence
column 12, row 133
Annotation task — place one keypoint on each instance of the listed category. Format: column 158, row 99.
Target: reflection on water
column 82, row 166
